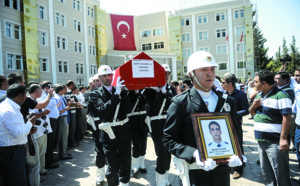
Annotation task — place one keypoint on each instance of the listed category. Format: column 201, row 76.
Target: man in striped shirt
column 272, row 108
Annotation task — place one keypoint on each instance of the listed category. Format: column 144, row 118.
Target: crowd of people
column 36, row 118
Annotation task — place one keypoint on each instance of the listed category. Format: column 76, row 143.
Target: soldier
column 179, row 138
column 112, row 105
column 158, row 99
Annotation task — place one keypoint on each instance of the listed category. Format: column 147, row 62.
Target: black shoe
column 251, row 118
column 66, row 157
column 45, row 172
column 42, row 179
column 135, row 174
column 143, row 170
column 52, row 166
column 99, row 183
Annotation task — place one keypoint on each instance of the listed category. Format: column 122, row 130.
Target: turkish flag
column 123, row 31
column 242, row 37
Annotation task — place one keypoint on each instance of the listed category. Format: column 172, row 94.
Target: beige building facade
column 58, row 40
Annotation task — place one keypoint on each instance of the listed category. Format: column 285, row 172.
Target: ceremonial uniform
column 216, row 145
column 118, row 150
column 179, row 138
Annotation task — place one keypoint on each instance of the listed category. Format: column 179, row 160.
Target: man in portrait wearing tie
column 215, row 131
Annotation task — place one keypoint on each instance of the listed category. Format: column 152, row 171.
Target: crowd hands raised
column 121, row 120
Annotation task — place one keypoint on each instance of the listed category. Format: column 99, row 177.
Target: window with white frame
column 145, row 33
column 221, row 32
column 186, row 53
column 186, row 37
column 241, row 64
column 14, row 61
column 78, row 47
column 93, row 32
column 91, row 12
column 203, row 35
column 77, row 25
column 220, row 16
column 204, row 48
column 92, row 50
column 239, row 30
column 221, row 49
column 44, row 64
column 202, row 19
column 77, row 5
column 43, row 38
column 159, row 45
column 239, row 13
column 63, row 66
column 14, row 4
column 12, row 31
column 93, row 69
column 41, row 12
column 79, row 68
column 240, row 47
column 185, row 21
column 62, row 42
column 223, row 66
column 90, row 30
column 146, row 46
column 60, row 19
column 158, row 31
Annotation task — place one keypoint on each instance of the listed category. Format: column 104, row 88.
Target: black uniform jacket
column 137, row 121
column 179, row 137
column 106, row 103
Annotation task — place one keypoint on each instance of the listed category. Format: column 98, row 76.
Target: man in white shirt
column 3, row 85
column 13, row 136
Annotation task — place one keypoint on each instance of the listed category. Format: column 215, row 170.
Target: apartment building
column 58, row 40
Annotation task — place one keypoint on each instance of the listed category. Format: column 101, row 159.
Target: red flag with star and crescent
column 123, row 32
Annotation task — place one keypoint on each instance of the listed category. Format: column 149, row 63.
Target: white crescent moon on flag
column 123, row 23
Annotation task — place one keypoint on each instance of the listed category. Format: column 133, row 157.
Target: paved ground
column 81, row 170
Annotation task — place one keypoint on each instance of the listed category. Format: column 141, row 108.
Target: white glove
column 208, row 165
column 155, row 88
column 234, row 161
column 163, row 89
column 119, row 85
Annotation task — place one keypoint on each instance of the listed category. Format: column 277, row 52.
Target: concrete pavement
column 81, row 169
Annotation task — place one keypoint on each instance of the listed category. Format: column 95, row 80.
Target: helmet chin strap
column 193, row 75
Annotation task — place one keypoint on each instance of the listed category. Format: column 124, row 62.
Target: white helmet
column 91, row 80
column 200, row 59
column 166, row 67
column 104, row 69
column 96, row 76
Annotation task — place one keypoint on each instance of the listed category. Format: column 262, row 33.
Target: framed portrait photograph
column 216, row 137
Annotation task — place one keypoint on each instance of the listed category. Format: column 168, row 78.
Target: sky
column 276, row 18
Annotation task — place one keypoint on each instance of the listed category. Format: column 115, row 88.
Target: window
column 60, row 19
column 221, row 49
column 238, row 14
column 77, row 25
column 186, row 53
column 93, row 31
column 202, row 35
column 77, row 5
column 220, row 16
column 92, row 50
column 61, row 43
column 145, row 33
column 14, row 4
column 240, row 47
column 91, row 12
column 203, row 49
column 202, row 19
column 158, row 31
column 79, row 68
column 241, row 64
column 12, row 31
column 223, row 66
column 93, row 69
column 78, row 47
column 239, row 30
column 14, row 62
column 221, row 32
column 185, row 21
column 41, row 12
column 159, row 45
column 44, row 65
column 43, row 39
column 147, row 46
column 186, row 37
column 63, row 66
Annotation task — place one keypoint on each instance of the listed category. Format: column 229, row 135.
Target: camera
column 50, row 86
column 286, row 59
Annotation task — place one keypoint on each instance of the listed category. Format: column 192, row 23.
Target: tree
column 261, row 59
column 295, row 55
column 274, row 65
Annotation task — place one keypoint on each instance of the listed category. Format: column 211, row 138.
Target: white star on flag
column 124, row 36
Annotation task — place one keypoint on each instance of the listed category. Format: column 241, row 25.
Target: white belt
column 96, row 118
column 113, row 124
column 73, row 111
column 158, row 117
column 136, row 113
column 194, row 166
